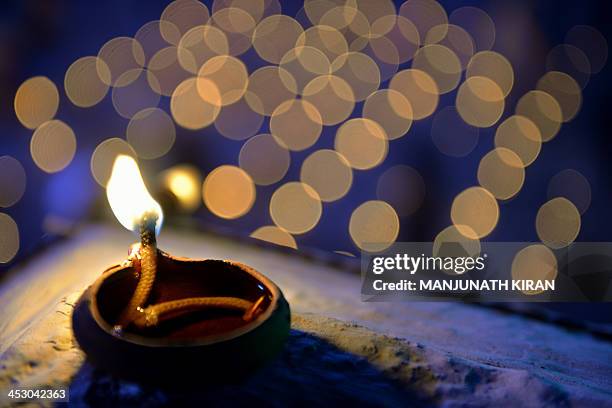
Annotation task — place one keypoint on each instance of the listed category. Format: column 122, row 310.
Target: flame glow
column 128, row 196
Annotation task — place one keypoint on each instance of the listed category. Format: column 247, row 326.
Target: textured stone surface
column 340, row 348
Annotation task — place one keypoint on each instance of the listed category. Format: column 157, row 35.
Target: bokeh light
column 230, row 76
column 456, row 241
column 9, row 238
column 419, row 88
column 184, row 182
column 565, row 90
column 304, row 63
column 332, row 96
column 520, row 135
column 165, row 71
column 12, row 181
column 571, row 60
column 425, row 14
column 238, row 27
column 295, row 207
column 492, row 65
column 189, row 110
column 478, row 23
column 132, row 96
column 543, row 110
column 442, row 65
column 558, row 223
column 120, row 56
column 501, row 172
column 270, row 170
column 475, row 212
column 359, row 71
column 454, row 38
column 480, row 101
column 200, row 44
column 374, row 226
column 239, row 120
column 535, row 262
column 180, row 16
column 229, row 192
column 328, row 173
column 82, row 82
column 362, row 142
column 36, row 101
column 268, row 87
column 53, row 146
column 274, row 235
column 274, row 36
column 296, row 124
column 391, row 110
column 151, row 133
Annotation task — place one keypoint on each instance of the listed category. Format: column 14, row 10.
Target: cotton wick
column 148, row 269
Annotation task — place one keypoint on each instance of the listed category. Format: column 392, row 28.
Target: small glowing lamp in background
column 159, row 317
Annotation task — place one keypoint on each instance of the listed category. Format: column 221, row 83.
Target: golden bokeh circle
column 492, row 65
column 402, row 33
column 332, row 96
column 534, row 262
column 270, row 170
column 230, row 76
column 565, row 90
column 229, row 192
column 150, row 37
column 189, row 110
column 12, row 181
column 151, row 133
column 502, row 172
column 200, row 44
column 238, row 26
column 117, row 57
column 520, row 135
column 359, row 71
column 543, row 110
column 268, row 87
column 475, row 212
column 384, row 52
column 296, row 124
column 558, row 223
column 480, row 101
column 419, row 88
column 274, row 36
column 53, row 146
column 82, row 82
column 571, row 60
column 9, row 238
column 274, row 235
column 362, row 142
column 374, row 226
column 571, row 184
column 403, row 188
column 180, row 16
column 103, row 158
column 451, row 135
column 36, row 101
column 328, row 173
column 441, row 63
column 295, row 207
column 391, row 110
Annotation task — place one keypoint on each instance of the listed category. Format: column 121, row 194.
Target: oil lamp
column 161, row 318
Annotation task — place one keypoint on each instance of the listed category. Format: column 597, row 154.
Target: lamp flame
column 128, row 196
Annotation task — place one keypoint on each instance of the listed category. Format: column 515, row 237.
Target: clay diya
column 163, row 319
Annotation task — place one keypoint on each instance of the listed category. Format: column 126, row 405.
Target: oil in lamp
column 164, row 319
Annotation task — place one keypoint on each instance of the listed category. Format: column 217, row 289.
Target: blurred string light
column 9, row 238
column 53, row 146
column 12, row 181
column 332, row 55
column 558, row 223
column 274, row 235
column 374, row 226
column 185, row 182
